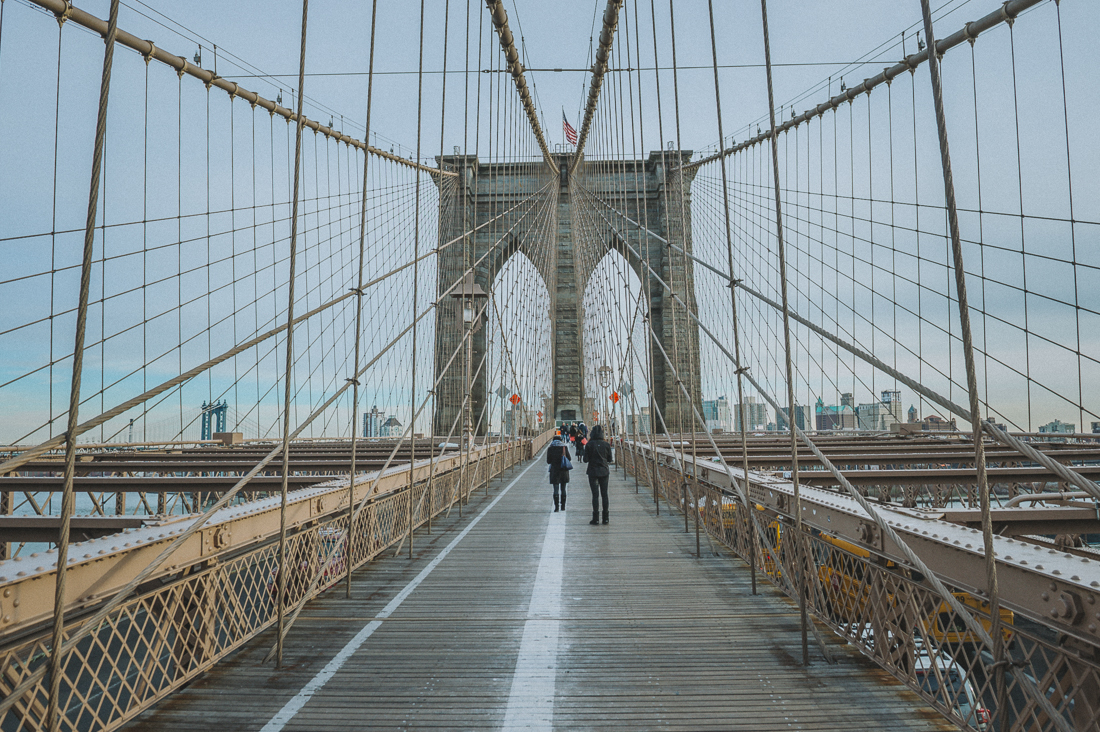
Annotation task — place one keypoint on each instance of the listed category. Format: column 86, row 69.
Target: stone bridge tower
column 648, row 192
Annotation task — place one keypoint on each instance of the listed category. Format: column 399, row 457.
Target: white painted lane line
column 293, row 706
column 531, row 700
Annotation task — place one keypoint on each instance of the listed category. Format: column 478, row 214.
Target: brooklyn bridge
column 294, row 301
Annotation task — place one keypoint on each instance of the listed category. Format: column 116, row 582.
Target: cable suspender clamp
column 64, row 14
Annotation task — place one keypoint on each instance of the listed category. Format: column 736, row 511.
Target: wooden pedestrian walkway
column 515, row 617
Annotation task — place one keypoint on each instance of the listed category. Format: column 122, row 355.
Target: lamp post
column 471, row 296
column 548, row 414
column 604, row 373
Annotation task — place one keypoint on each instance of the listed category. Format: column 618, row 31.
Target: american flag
column 570, row 133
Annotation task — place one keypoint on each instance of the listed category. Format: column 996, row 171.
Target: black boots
column 595, row 518
column 604, row 518
column 563, row 500
column 555, row 504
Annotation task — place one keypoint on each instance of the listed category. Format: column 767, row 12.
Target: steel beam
column 1057, row 589
column 44, row 528
column 98, row 568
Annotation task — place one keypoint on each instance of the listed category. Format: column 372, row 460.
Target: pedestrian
column 574, row 437
column 583, row 428
column 559, row 475
column 597, row 453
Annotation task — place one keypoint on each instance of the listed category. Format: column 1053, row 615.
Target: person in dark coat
column 559, row 476
column 597, row 453
column 575, row 436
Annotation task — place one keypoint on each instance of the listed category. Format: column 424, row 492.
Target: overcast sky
column 815, row 46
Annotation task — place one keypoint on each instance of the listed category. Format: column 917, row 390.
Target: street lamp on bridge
column 471, row 295
column 605, row 375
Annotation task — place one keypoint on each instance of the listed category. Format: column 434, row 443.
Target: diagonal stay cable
column 1064, row 472
column 276, row 648
column 101, row 615
column 975, row 627
column 43, row 447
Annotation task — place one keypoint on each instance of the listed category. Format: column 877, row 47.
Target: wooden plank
column 651, row 637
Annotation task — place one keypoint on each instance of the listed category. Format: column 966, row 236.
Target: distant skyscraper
column 831, row 417
column 372, row 422
column 718, row 415
column 802, row 417
column 756, row 414
column 912, row 414
column 891, row 399
column 1058, row 427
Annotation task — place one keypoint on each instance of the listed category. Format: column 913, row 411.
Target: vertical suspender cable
column 971, row 371
column 780, row 245
column 359, row 308
column 688, row 291
column 53, row 713
column 643, row 203
column 299, row 119
column 416, row 280
column 439, row 230
column 733, row 292
column 668, row 250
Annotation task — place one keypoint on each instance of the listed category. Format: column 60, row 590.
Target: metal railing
column 179, row 625
column 890, row 614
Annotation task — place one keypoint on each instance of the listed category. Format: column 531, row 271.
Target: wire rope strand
column 968, row 353
column 53, row 709
column 416, row 284
column 289, row 368
column 791, row 416
column 743, row 415
column 359, row 307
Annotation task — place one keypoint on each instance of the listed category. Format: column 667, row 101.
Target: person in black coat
column 597, row 453
column 559, row 476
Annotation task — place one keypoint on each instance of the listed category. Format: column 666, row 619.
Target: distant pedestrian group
column 592, row 449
